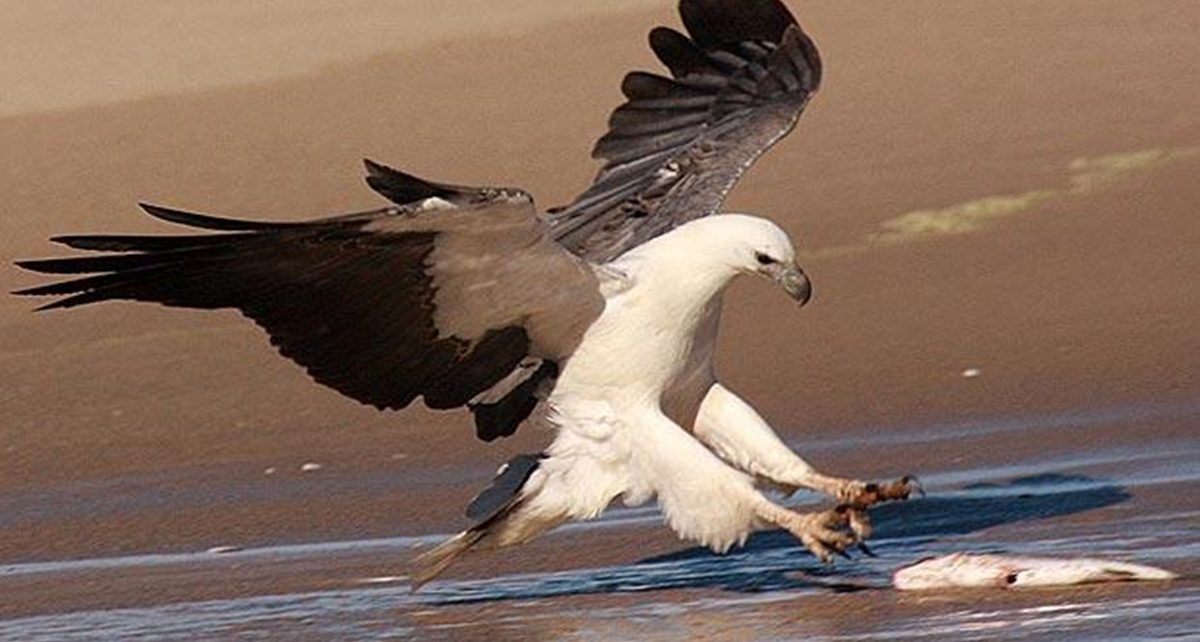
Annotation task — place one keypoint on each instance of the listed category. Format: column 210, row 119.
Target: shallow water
column 1129, row 498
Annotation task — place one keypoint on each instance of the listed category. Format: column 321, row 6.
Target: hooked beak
column 795, row 282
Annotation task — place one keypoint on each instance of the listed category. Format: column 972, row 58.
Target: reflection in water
column 772, row 561
column 771, row 589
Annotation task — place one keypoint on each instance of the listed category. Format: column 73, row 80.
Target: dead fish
column 961, row 570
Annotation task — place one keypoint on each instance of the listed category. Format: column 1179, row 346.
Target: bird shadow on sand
column 773, row 561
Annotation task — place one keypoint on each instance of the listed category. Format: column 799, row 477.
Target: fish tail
column 1126, row 571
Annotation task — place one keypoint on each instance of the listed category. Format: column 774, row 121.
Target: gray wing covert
column 739, row 81
column 442, row 296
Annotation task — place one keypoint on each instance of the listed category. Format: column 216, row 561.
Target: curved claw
column 860, row 523
column 915, row 484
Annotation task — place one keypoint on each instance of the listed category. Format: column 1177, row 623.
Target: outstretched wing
column 740, row 79
column 444, row 296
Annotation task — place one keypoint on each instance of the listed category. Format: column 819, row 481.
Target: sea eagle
column 597, row 319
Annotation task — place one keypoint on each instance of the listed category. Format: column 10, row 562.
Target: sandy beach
column 1003, row 188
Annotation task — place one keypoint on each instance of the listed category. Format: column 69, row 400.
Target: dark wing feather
column 431, row 299
column 504, row 406
column 739, row 81
column 403, row 188
column 502, row 492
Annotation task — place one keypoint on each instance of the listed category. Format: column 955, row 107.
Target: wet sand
column 623, row 577
column 1003, row 187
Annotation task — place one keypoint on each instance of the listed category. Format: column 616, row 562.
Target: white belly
column 634, row 353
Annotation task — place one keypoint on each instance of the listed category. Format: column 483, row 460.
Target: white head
column 726, row 245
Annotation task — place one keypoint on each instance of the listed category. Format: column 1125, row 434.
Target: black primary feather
column 354, row 307
column 740, row 78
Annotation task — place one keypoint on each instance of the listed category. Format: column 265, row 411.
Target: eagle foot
column 825, row 534
column 856, row 497
column 863, row 495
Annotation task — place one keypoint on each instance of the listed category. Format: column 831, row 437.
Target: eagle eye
column 764, row 259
